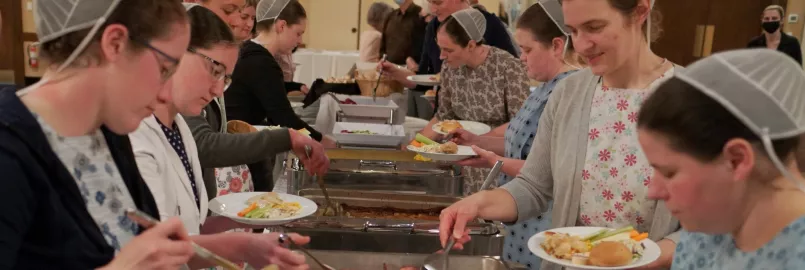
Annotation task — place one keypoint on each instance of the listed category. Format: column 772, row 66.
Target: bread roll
column 237, row 126
column 610, row 254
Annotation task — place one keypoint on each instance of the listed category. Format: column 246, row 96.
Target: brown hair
column 207, row 29
column 629, row 8
column 536, row 21
column 144, row 19
column 251, row 3
column 293, row 13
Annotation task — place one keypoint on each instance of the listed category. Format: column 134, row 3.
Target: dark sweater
column 44, row 222
column 788, row 45
column 258, row 92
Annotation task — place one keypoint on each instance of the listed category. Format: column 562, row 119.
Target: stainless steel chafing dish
column 380, row 170
column 389, row 234
column 395, row 261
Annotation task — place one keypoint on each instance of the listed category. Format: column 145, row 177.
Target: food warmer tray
column 379, row 170
column 395, row 261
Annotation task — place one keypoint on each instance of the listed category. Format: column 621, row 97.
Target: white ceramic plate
column 426, row 80
column 297, row 104
column 650, row 254
column 429, row 98
column 473, row 127
column 464, row 152
column 229, row 205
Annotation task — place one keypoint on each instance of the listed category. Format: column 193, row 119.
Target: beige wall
column 795, row 7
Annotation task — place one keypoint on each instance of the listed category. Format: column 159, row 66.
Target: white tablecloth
column 315, row 64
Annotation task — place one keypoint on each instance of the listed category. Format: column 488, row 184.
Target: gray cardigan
column 218, row 149
column 553, row 168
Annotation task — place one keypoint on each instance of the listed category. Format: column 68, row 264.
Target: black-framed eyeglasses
column 165, row 71
column 217, row 70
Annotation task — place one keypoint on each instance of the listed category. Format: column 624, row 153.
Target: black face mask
column 771, row 27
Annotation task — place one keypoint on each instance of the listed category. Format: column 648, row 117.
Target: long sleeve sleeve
column 517, row 88
column 532, row 189
column 216, row 149
column 149, row 169
column 17, row 216
column 445, row 109
column 266, row 82
column 417, row 40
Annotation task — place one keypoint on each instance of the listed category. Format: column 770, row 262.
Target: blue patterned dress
column 519, row 138
column 89, row 160
column 697, row 251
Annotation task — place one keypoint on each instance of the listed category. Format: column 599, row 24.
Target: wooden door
column 681, row 19
column 333, row 25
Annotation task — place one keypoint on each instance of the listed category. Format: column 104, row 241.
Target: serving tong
column 329, row 206
column 379, row 77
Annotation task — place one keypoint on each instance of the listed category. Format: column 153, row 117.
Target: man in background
column 402, row 33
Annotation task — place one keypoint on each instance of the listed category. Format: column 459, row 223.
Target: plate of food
column 430, row 95
column 262, row 208
column 426, row 80
column 448, row 151
column 473, row 127
column 595, row 247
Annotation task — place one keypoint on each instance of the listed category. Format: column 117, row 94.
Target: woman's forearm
column 227, row 245
column 512, row 167
column 497, row 204
column 494, row 144
column 428, row 130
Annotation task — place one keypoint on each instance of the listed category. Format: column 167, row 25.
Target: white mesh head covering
column 648, row 23
column 188, row 6
column 762, row 88
column 56, row 18
column 473, row 22
column 270, row 9
column 554, row 11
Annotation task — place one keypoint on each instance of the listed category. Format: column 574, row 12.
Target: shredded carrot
column 633, row 234
column 640, row 237
column 247, row 210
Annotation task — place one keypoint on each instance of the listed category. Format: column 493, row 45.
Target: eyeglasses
column 218, row 69
column 165, row 71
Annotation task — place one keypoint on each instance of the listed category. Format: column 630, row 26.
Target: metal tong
column 285, row 239
column 329, row 206
column 379, row 76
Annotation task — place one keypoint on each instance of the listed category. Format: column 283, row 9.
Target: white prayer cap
column 473, row 22
column 188, row 6
column 55, row 18
column 271, row 9
column 554, row 11
column 763, row 88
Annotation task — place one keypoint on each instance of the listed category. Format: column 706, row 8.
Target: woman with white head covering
column 167, row 157
column 258, row 95
column 585, row 157
column 479, row 82
column 722, row 137
column 548, row 57
column 68, row 170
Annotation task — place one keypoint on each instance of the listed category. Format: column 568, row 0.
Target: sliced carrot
column 640, row 237
column 247, row 210
column 633, row 234
column 416, row 144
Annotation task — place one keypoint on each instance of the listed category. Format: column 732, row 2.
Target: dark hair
column 144, row 19
column 696, row 124
column 293, row 13
column 377, row 14
column 457, row 32
column 251, row 3
column 629, row 7
column 207, row 29
column 537, row 22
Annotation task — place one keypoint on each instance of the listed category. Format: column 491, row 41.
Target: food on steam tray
column 365, row 132
column 424, row 144
column 269, row 206
column 431, row 214
column 340, row 80
column 348, row 101
column 449, row 125
column 607, row 248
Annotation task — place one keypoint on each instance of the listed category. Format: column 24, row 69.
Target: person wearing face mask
column 168, row 160
column 430, row 62
column 402, row 33
column 585, row 155
column 479, row 82
column 722, row 137
column 773, row 36
column 544, row 41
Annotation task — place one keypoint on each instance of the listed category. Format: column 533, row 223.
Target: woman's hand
column 318, row 163
column 264, row 249
column 461, row 136
column 667, row 248
column 164, row 246
column 485, row 159
column 304, row 89
column 412, row 65
column 397, row 73
column 453, row 221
